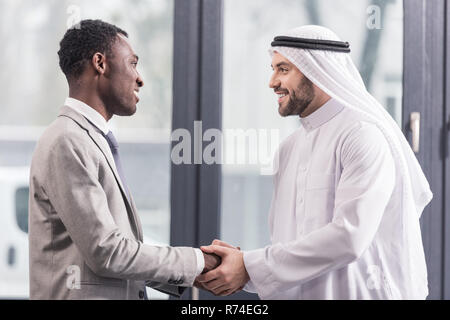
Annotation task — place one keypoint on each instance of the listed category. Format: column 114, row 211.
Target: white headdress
column 333, row 71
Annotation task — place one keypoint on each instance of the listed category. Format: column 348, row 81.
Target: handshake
column 224, row 271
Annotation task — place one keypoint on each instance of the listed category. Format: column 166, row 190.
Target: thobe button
column 300, row 200
column 141, row 294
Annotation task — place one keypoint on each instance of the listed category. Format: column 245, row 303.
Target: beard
column 299, row 99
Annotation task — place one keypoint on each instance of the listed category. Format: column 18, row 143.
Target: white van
column 14, row 232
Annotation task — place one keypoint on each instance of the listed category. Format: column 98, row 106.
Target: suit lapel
column 102, row 144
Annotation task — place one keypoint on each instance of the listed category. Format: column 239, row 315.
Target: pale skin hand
column 221, row 243
column 224, row 244
column 230, row 276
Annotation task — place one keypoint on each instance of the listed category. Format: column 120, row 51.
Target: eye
column 134, row 63
column 284, row 70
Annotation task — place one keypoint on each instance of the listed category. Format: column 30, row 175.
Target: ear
column 99, row 62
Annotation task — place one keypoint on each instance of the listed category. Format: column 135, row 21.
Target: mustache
column 279, row 89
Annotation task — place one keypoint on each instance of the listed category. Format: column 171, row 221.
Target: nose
column 140, row 81
column 274, row 82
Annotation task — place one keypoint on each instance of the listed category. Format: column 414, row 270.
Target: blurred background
column 32, row 89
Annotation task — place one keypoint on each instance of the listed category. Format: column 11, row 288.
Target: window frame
column 424, row 92
column 197, row 96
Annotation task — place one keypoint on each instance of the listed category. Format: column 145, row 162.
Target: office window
column 33, row 88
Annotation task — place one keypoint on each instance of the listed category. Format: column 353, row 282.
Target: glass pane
column 33, row 89
column 375, row 32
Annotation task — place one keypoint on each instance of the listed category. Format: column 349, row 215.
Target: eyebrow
column 136, row 57
column 282, row 64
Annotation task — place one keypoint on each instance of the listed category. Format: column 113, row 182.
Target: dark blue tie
column 114, row 146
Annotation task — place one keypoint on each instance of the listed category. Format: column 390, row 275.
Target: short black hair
column 82, row 41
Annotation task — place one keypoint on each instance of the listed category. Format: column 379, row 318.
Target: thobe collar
column 322, row 115
column 89, row 113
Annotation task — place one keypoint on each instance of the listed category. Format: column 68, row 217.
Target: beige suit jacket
column 85, row 237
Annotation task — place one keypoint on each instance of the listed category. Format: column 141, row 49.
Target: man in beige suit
column 85, row 235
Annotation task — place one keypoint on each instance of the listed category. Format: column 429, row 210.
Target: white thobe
column 335, row 220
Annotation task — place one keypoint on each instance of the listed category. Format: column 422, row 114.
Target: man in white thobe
column 348, row 192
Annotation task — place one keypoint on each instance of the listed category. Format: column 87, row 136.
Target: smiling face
column 295, row 92
column 121, row 82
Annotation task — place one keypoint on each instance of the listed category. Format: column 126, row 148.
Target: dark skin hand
column 212, row 261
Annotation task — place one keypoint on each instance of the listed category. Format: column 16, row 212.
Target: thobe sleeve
column 362, row 194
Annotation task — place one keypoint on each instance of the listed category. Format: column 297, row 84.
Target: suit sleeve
column 81, row 203
column 175, row 290
column 362, row 194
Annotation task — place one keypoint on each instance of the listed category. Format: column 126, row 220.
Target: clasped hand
column 229, row 276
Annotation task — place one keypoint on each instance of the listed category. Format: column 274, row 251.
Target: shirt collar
column 89, row 113
column 322, row 115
